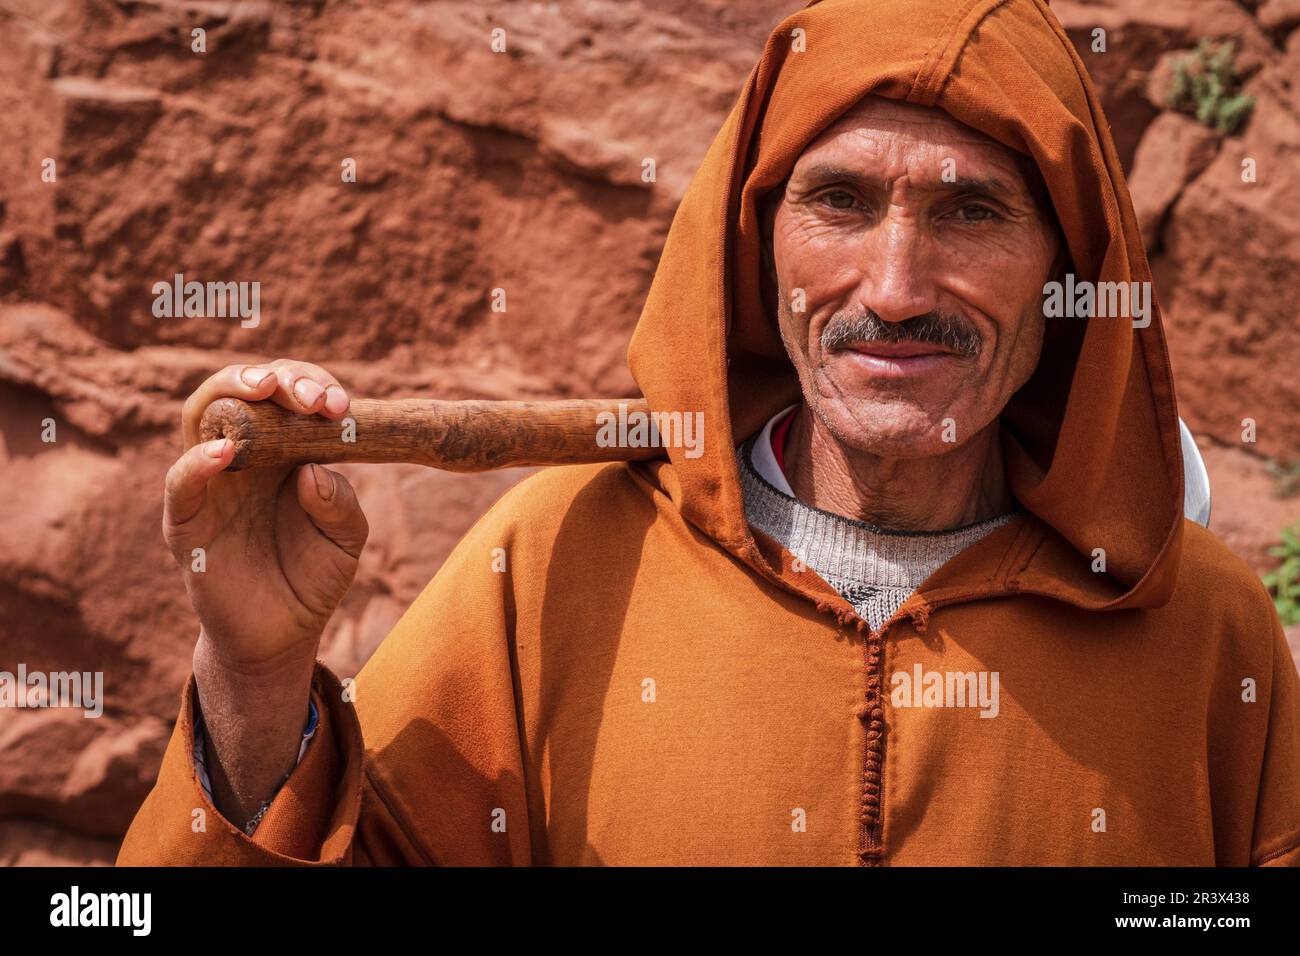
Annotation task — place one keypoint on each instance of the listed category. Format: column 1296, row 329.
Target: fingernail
column 336, row 400
column 253, row 377
column 324, row 482
column 307, row 392
column 216, row 448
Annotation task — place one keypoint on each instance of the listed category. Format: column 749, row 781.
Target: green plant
column 1284, row 580
column 1206, row 84
column 1286, row 478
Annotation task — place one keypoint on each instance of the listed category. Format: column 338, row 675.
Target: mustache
column 948, row 330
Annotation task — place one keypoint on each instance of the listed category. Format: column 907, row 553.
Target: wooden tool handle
column 456, row 436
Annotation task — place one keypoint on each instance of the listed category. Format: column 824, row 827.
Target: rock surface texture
column 475, row 171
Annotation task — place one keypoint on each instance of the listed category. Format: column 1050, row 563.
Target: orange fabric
column 650, row 681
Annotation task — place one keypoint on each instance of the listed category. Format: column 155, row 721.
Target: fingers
column 332, row 505
column 309, row 389
column 298, row 386
column 186, row 488
column 249, row 382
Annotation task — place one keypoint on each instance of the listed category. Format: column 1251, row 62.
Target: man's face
column 921, row 253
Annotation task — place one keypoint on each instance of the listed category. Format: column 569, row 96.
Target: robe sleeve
column 418, row 761
column 1276, row 838
column 312, row 820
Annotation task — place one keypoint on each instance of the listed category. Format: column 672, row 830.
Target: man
column 947, row 610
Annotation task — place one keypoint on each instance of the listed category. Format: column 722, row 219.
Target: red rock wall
column 475, row 171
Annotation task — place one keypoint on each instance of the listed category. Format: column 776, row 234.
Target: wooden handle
column 456, row 436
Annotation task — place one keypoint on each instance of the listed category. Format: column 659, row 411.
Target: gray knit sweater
column 873, row 568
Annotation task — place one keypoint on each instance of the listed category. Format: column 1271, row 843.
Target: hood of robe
column 1091, row 442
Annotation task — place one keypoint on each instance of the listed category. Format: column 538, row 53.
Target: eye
column 838, row 199
column 975, row 212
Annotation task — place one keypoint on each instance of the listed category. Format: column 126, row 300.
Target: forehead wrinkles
column 874, row 112
column 900, row 135
column 913, row 153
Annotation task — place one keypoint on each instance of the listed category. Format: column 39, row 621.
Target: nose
column 898, row 281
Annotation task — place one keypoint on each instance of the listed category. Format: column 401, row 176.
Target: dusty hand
column 279, row 546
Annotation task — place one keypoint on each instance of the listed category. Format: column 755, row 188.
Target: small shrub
column 1286, row 478
column 1206, row 84
column 1283, row 582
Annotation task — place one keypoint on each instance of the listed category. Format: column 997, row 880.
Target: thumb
column 332, row 505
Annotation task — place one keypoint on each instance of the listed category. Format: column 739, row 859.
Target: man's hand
column 279, row 546
column 267, row 555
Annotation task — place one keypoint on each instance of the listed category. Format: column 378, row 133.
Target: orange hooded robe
column 652, row 682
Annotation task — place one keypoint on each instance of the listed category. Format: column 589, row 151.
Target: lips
column 897, row 359
column 897, row 350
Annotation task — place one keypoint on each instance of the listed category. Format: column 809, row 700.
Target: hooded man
column 927, row 596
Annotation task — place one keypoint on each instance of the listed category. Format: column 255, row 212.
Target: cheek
column 1004, row 268
column 1009, row 299
column 794, row 333
column 814, row 256
column 1028, row 347
column 801, row 264
column 793, row 329
column 1017, row 345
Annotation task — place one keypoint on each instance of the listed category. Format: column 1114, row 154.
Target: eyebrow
column 987, row 186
